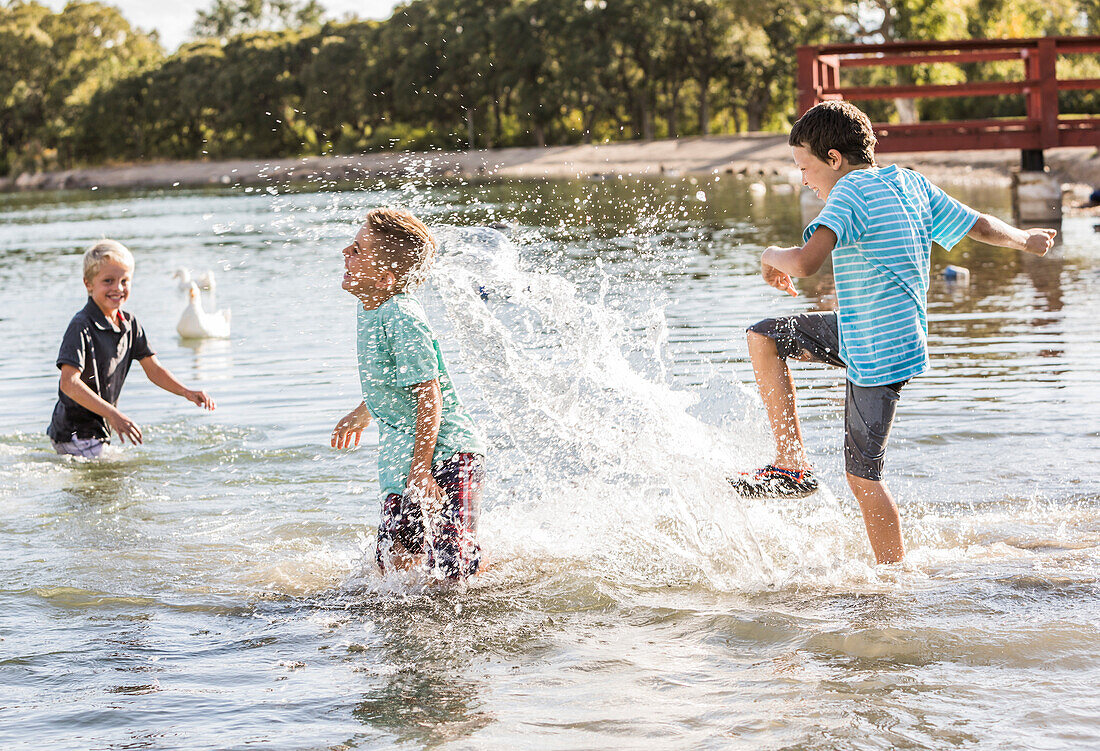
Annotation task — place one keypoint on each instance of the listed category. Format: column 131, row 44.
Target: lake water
column 213, row 588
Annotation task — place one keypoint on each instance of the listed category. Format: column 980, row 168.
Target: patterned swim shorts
column 451, row 543
column 89, row 448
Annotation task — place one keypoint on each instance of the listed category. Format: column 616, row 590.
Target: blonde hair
column 406, row 244
column 103, row 251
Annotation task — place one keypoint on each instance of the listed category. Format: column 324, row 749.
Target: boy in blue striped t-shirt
column 878, row 224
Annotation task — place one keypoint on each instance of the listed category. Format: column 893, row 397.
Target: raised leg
column 773, row 379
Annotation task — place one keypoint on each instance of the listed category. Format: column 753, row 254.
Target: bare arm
column 351, row 427
column 429, row 416
column 991, row 230
column 78, row 391
column 162, row 377
column 778, row 265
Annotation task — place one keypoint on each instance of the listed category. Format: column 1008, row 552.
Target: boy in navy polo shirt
column 99, row 346
column 878, row 224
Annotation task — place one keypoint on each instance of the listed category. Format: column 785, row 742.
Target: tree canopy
column 269, row 78
column 226, row 18
column 54, row 64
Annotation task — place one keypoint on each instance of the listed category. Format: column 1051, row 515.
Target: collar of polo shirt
column 100, row 320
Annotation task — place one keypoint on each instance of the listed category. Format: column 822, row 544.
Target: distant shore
column 765, row 155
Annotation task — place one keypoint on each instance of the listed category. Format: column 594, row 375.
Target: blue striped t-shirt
column 886, row 220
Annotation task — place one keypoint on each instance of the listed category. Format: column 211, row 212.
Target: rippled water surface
column 213, row 587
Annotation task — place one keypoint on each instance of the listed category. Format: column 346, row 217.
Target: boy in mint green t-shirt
column 430, row 456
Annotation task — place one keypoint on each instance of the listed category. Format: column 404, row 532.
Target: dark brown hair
column 836, row 125
column 406, row 242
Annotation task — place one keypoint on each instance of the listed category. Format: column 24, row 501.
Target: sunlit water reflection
column 212, row 588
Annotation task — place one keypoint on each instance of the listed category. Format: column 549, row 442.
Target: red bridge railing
column 819, row 80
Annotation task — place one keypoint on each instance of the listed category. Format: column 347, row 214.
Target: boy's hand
column 1040, row 241
column 425, row 487
column 778, row 279
column 124, row 427
column 200, row 398
column 350, row 428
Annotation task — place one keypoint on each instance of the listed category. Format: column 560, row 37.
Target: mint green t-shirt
column 398, row 350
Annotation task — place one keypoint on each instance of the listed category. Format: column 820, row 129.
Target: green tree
column 710, row 48
column 82, row 85
column 227, row 18
column 762, row 79
column 54, row 63
column 346, row 89
column 527, row 70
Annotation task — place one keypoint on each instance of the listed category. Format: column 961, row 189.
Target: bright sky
column 174, row 19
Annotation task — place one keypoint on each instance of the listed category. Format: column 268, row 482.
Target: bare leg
column 773, row 379
column 880, row 516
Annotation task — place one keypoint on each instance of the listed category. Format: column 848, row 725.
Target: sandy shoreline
column 751, row 154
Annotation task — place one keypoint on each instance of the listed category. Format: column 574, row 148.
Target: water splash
column 593, row 464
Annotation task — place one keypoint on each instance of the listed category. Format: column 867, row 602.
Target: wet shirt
column 397, row 350
column 886, row 220
column 103, row 353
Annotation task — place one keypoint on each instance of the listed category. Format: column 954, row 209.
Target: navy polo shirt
column 103, row 353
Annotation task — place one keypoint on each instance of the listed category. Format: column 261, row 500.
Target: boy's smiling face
column 819, row 176
column 110, row 287
column 364, row 274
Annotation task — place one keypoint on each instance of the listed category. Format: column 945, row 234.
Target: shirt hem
column 406, row 382
column 887, row 381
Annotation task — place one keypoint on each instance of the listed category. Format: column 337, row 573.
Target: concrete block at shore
column 1036, row 197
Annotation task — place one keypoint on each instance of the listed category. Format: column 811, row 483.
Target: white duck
column 204, row 282
column 196, row 323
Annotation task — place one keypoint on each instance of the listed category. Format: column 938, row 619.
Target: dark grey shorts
column 868, row 410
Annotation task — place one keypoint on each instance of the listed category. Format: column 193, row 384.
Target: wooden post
column 1031, row 72
column 830, row 74
column 1031, row 160
column 1048, row 93
column 807, row 79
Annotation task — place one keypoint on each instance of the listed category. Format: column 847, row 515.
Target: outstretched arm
column 162, row 377
column 991, row 230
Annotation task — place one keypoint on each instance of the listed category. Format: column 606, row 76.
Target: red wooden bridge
column 819, row 80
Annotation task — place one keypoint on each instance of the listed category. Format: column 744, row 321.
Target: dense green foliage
column 226, row 18
column 53, row 65
column 81, row 85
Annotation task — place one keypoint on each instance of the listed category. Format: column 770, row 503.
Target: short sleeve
column 141, row 348
column 413, row 344
column 72, row 350
column 951, row 220
column 844, row 213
